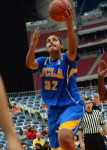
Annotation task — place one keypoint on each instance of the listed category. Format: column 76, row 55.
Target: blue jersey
column 58, row 81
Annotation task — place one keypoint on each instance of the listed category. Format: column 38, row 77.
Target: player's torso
column 57, row 82
column 53, row 75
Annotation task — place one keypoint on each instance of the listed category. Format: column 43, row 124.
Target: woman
column 58, row 86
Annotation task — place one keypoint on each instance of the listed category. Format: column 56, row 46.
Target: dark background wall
column 14, row 47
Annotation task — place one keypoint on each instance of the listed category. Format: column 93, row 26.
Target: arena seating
column 84, row 65
column 38, row 120
column 93, row 25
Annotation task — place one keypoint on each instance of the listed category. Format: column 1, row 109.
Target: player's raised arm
column 72, row 41
column 30, row 58
column 102, row 70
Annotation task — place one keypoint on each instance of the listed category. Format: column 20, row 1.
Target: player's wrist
column 33, row 45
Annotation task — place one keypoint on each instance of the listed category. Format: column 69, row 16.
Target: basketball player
column 102, row 70
column 6, row 122
column 58, row 86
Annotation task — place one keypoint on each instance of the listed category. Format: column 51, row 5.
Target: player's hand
column 82, row 146
column 35, row 37
column 102, row 68
column 69, row 17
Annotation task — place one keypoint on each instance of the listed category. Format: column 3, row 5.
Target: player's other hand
column 102, row 68
column 35, row 37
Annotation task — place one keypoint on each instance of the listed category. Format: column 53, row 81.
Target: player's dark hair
column 59, row 39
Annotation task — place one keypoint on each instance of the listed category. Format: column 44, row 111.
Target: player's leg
column 53, row 124
column 70, row 121
column 65, row 137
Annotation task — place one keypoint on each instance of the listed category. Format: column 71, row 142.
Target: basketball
column 57, row 9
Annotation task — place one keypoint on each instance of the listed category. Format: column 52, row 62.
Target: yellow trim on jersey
column 59, row 148
column 69, row 124
column 72, row 71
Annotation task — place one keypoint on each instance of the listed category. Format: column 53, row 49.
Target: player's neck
column 55, row 56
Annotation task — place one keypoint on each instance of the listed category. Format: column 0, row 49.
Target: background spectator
column 24, row 146
column 46, row 146
column 1, row 147
column 38, row 146
column 96, row 98
column 76, row 141
column 38, row 140
column 44, row 132
column 22, row 136
column 27, row 129
column 31, row 134
column 16, row 109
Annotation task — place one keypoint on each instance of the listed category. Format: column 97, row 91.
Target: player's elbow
column 28, row 64
column 32, row 64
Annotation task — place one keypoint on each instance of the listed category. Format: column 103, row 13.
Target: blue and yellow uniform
column 60, row 93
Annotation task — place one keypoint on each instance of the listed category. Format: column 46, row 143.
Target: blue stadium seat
column 2, row 144
column 35, row 122
column 17, row 128
column 27, row 122
column 28, row 119
column 2, row 141
column 32, row 96
column 21, row 116
column 42, row 125
column 19, row 124
column 25, row 97
column 30, row 148
column 19, row 113
column 38, row 96
column 14, row 117
column 18, row 98
column 29, row 142
column 31, row 99
column 24, row 127
column 20, row 120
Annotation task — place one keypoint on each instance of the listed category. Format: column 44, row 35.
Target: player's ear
column 62, row 46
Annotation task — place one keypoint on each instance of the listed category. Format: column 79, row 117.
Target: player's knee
column 65, row 136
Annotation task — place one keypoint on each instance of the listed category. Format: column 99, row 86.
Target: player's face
column 53, row 44
column 89, row 105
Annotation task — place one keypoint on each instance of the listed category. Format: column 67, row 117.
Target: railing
column 26, row 93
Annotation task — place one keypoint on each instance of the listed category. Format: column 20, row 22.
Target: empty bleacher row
column 85, row 64
column 93, row 25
